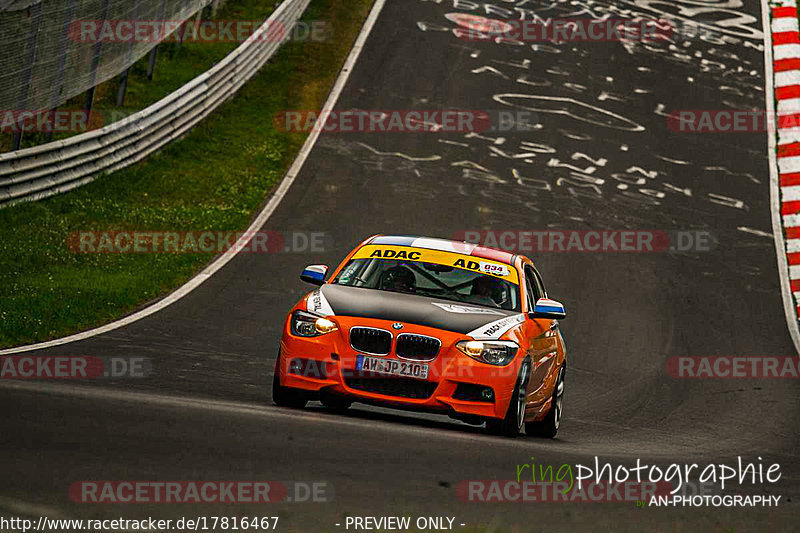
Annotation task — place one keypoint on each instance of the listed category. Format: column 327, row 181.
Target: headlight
column 308, row 325
column 492, row 352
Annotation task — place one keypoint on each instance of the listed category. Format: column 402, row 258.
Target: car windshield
column 430, row 279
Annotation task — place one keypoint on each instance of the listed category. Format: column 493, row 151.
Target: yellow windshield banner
column 439, row 257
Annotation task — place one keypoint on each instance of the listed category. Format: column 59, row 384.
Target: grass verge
column 215, row 178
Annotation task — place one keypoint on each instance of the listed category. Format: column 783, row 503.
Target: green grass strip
column 215, row 178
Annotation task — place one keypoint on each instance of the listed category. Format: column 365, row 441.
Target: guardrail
column 52, row 168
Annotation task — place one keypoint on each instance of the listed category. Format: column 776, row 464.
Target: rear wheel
column 548, row 427
column 511, row 425
column 286, row 396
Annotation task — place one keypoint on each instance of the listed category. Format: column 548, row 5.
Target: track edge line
column 260, row 220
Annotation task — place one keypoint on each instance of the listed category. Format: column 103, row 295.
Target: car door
column 543, row 341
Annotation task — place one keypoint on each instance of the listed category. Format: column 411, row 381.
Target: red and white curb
column 782, row 56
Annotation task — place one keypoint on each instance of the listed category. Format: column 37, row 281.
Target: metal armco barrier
column 56, row 167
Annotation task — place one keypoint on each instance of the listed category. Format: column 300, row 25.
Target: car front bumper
column 456, row 384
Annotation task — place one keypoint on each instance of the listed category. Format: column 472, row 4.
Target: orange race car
column 430, row 325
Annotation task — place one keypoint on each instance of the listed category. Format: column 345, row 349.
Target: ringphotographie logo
column 645, row 484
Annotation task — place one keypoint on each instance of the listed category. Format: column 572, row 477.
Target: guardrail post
column 96, row 49
column 58, row 86
column 23, row 102
column 88, row 102
column 151, row 65
column 16, row 140
column 181, row 32
column 51, row 120
column 198, row 20
column 123, row 87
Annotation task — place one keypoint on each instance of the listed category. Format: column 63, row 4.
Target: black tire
column 547, row 428
column 286, row 396
column 511, row 424
column 335, row 403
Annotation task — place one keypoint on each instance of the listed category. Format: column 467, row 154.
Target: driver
column 399, row 279
column 485, row 289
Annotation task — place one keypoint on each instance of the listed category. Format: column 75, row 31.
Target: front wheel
column 548, row 427
column 286, row 396
column 511, row 425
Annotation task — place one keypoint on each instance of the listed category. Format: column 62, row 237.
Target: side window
column 539, row 283
column 533, row 285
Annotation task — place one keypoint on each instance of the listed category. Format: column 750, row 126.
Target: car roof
column 432, row 243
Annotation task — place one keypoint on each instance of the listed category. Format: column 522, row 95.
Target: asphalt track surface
column 628, row 313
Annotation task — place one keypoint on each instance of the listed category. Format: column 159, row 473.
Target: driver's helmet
column 487, row 287
column 399, row 279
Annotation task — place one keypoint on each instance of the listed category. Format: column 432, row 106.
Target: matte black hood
column 410, row 309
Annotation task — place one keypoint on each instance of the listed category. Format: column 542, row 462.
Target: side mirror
column 314, row 274
column 549, row 309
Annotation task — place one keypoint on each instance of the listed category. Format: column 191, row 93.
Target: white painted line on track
column 259, row 411
column 38, row 511
column 29, row 509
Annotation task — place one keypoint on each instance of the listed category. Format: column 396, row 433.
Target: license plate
column 392, row 367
